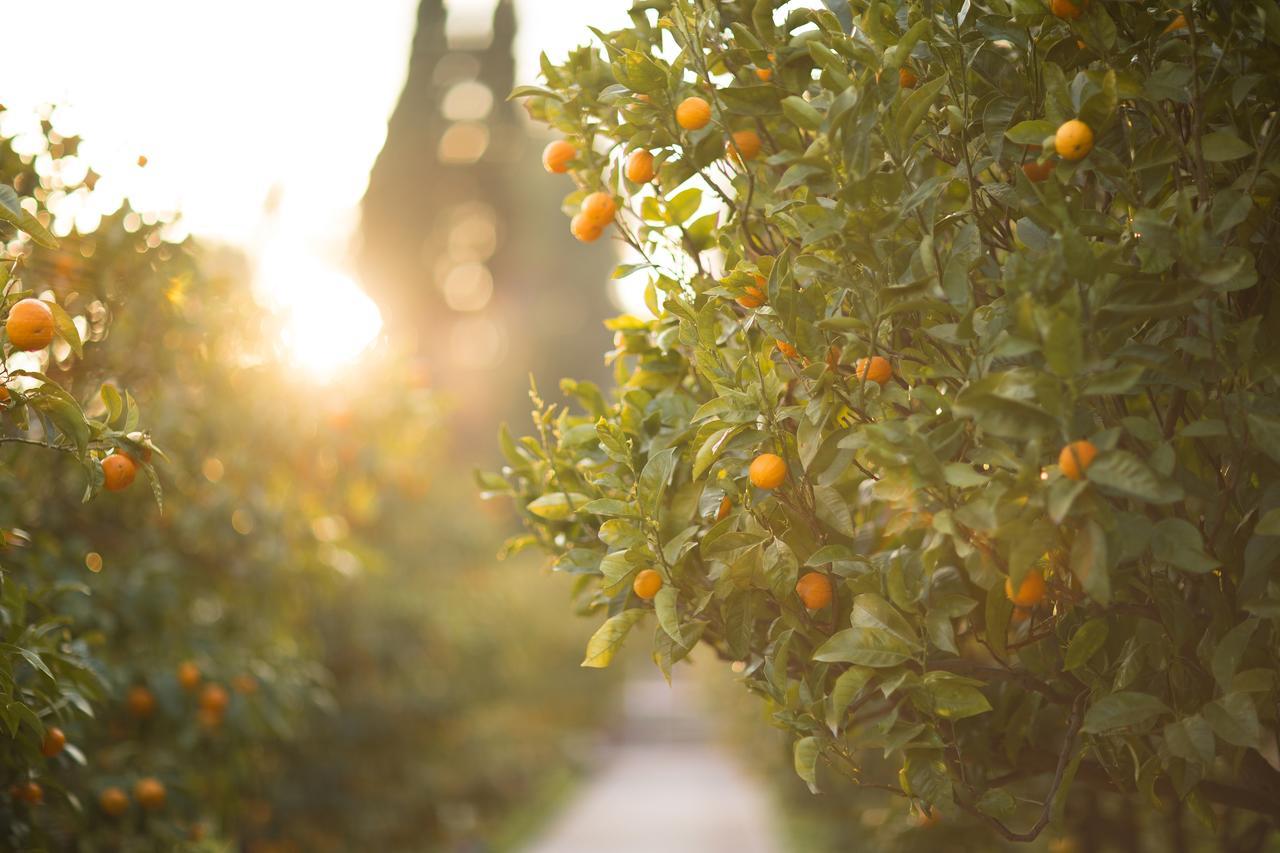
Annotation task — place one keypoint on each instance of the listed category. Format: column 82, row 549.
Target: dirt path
column 667, row 788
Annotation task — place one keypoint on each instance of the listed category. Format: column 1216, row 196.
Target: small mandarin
column 150, row 793
column 814, row 589
column 755, row 295
column 725, row 505
column 875, row 369
column 1037, row 171
column 1076, row 458
column 54, row 742
column 786, row 349
column 907, row 78
column 1074, row 140
column 647, row 584
column 1068, row 10
column 29, row 325
column 118, row 471
column 30, row 793
column 556, row 156
column 214, row 698
column 113, row 801
column 767, row 471
column 693, row 113
column 1178, row 23
column 745, row 145
column 188, row 675
column 599, row 208
column 1029, row 593
column 584, row 229
column 140, row 702
column 639, row 168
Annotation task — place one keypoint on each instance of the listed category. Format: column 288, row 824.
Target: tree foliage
column 911, row 202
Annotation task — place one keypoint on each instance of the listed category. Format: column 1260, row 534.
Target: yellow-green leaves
column 606, row 641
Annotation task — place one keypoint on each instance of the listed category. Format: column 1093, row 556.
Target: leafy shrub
column 1052, row 223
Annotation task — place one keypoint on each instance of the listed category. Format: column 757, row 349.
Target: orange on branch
column 55, row 740
column 113, row 801
column 118, row 471
column 29, row 325
column 599, row 208
column 188, row 675
column 767, row 471
column 875, row 369
column 1074, row 140
column 693, row 113
column 150, row 793
column 1029, row 593
column 745, row 146
column 639, row 168
column 647, row 584
column 584, row 229
column 1076, row 458
column 814, row 589
column 557, row 154
column 140, row 701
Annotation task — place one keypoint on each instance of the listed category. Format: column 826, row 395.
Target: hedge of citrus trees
column 958, row 423
column 274, row 651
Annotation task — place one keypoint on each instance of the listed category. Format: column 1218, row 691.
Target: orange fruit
column 907, row 78
column 647, row 584
column 787, row 349
column 584, row 229
column 874, row 369
column 755, row 295
column 214, row 698
column 1067, row 9
column 1076, row 458
column 113, row 801
column 118, row 471
column 928, row 817
column 814, row 589
column 1074, row 140
column 599, row 208
column 767, row 471
column 142, row 160
column 764, row 75
column 29, row 325
column 1037, row 171
column 1029, row 593
column 639, row 168
column 693, row 113
column 725, row 505
column 245, row 684
column 1178, row 23
column 4, row 394
column 54, row 742
column 745, row 146
column 150, row 793
column 140, row 702
column 188, row 675
column 28, row 792
column 556, row 156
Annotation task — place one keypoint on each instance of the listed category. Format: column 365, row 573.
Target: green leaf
column 1122, row 472
column 654, row 479
column 832, row 510
column 1178, row 543
column 1030, row 132
column 557, row 506
column 806, row 754
column 1085, row 643
column 802, row 113
column 12, row 211
column 1229, row 651
column 1122, row 710
column 1223, row 145
column 65, row 328
column 1089, row 562
column 1190, row 739
column 1234, row 719
column 953, row 698
column 848, row 685
column 606, row 641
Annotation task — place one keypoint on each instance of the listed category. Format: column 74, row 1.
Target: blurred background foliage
column 320, row 556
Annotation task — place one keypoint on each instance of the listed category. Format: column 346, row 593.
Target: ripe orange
column 188, row 675
column 556, row 156
column 639, row 168
column 874, row 369
column 755, row 295
column 647, row 584
column 907, row 78
column 725, row 506
column 584, row 229
column 599, row 208
column 786, row 349
column 1067, row 9
column 140, row 702
column 30, row 325
column 214, row 698
column 693, row 113
column 1076, row 458
column 767, row 471
column 814, row 589
column 142, row 160
column 4, row 394
column 54, row 742
column 118, row 471
column 28, row 792
column 209, row 718
column 1037, row 171
column 1178, row 23
column 1029, row 593
column 1074, row 140
column 745, row 146
column 764, row 75
column 150, row 793
column 113, row 801
column 928, row 817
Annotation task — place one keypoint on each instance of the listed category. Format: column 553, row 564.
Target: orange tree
column 964, row 325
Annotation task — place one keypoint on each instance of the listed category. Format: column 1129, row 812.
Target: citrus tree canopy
column 957, row 425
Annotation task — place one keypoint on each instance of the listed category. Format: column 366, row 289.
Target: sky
column 237, row 101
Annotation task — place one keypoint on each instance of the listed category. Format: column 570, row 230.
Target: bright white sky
column 234, row 98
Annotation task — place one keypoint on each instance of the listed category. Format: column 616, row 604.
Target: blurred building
column 463, row 245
